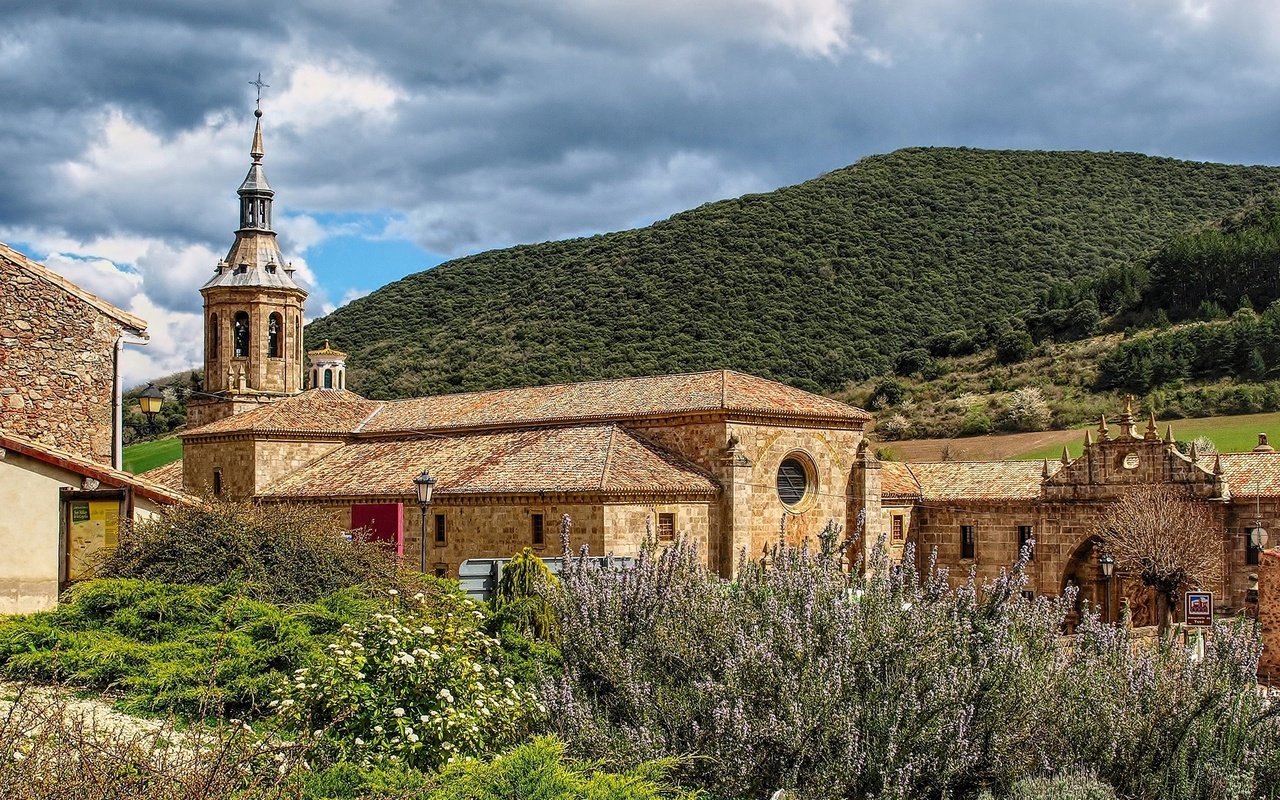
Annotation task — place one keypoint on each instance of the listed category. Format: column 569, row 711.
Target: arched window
column 242, row 334
column 328, row 379
column 274, row 323
column 211, row 330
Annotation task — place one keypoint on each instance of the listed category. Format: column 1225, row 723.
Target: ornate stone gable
column 1123, row 457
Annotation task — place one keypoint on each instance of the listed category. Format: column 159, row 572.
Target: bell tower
column 252, row 311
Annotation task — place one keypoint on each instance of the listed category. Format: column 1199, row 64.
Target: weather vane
column 258, row 83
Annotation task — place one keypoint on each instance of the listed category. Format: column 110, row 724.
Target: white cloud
column 812, row 27
column 175, row 344
column 353, row 294
column 97, row 275
column 315, row 94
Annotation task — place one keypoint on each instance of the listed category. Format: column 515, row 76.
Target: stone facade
column 501, row 526
column 58, row 359
column 248, row 466
column 999, row 506
column 257, row 370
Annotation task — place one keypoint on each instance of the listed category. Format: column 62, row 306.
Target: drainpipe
column 117, row 398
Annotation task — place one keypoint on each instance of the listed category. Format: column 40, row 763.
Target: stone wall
column 56, row 365
column 248, row 466
column 233, row 459
column 1268, row 572
column 831, row 453
column 745, row 456
column 277, row 458
column 498, row 527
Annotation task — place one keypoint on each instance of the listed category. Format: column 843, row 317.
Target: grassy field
column 143, row 456
column 1230, row 434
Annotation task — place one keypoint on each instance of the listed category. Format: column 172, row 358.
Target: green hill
column 818, row 285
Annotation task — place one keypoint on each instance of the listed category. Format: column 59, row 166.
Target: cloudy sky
column 399, row 134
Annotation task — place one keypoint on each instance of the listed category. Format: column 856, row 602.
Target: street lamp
column 1108, row 566
column 149, row 402
column 425, row 486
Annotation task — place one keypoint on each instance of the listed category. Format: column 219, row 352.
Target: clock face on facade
column 1130, row 461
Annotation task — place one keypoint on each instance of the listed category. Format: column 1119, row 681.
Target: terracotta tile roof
column 579, row 459
column 620, row 399
column 1250, row 474
column 978, row 480
column 897, row 482
column 137, row 325
column 82, row 466
column 168, row 476
column 318, row 411
column 340, row 411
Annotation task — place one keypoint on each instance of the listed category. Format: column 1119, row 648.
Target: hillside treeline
column 818, row 285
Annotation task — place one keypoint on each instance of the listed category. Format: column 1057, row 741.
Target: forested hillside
column 819, row 284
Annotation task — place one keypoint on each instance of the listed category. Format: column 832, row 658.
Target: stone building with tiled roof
column 731, row 460
column 61, row 485
column 978, row 515
column 727, row 459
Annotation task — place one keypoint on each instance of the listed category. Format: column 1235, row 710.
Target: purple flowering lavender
column 891, row 683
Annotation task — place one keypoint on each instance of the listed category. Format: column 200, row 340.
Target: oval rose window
column 793, row 482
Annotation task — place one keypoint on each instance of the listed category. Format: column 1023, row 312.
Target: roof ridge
column 381, row 405
column 43, row 272
column 608, row 457
column 74, row 461
column 595, row 381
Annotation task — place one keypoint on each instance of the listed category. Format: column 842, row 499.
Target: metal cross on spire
column 258, row 83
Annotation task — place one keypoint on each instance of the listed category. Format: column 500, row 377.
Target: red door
column 383, row 521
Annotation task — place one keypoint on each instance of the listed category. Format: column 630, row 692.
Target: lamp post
column 1251, row 599
column 424, row 485
column 1108, row 567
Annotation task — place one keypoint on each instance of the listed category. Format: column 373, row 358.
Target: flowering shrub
column 419, row 684
column 892, row 684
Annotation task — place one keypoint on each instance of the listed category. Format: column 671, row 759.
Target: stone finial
column 1066, row 454
column 1088, row 439
column 1044, row 470
column 1104, row 434
column 1151, row 434
column 1127, row 428
column 1217, row 465
column 1168, row 435
column 1194, row 455
column 1263, row 445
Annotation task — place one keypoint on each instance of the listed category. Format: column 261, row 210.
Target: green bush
column 276, row 552
column 534, row 770
column 194, row 650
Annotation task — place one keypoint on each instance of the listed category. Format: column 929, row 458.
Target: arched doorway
column 1084, row 571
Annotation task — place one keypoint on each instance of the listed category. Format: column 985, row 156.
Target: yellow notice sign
column 95, row 528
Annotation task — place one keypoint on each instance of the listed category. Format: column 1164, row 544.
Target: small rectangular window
column 967, row 541
column 666, row 527
column 1025, row 534
column 442, row 570
column 1251, row 553
column 539, row 533
column 439, row 528
column 217, row 483
column 898, row 535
